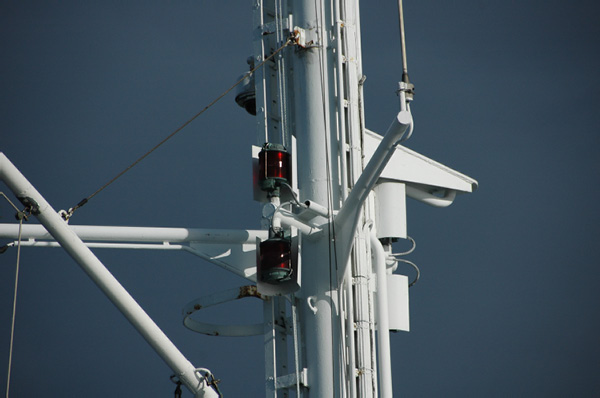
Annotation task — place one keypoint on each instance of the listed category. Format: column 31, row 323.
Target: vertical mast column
column 320, row 318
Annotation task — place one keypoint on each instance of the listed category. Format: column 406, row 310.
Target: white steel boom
column 195, row 380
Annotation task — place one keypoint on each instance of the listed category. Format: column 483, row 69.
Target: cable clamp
column 20, row 214
column 177, row 381
column 31, row 207
column 66, row 214
column 305, row 38
column 407, row 88
column 210, row 379
column 6, row 246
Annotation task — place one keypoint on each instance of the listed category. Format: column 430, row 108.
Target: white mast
column 320, row 327
column 327, row 124
column 319, row 305
column 342, row 298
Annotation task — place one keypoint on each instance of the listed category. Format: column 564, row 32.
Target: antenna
column 405, row 78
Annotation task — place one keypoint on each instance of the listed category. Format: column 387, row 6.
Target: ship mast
column 311, row 97
column 334, row 199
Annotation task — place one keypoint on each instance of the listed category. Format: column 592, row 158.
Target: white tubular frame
column 140, row 234
column 63, row 234
column 383, row 328
column 233, row 250
column 347, row 218
column 288, row 219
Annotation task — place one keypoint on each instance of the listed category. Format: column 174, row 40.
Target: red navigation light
column 273, row 167
column 273, row 164
column 275, row 263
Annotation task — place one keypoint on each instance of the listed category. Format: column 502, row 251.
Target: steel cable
column 69, row 213
column 20, row 216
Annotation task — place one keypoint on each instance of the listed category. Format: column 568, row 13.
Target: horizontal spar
column 138, row 234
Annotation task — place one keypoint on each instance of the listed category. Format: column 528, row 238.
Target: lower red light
column 275, row 263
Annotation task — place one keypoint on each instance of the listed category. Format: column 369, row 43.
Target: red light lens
column 275, row 262
column 273, row 164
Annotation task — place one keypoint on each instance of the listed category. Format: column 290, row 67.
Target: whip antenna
column 403, row 43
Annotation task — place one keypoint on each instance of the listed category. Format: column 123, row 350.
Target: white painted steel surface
column 390, row 209
column 347, row 219
column 63, row 234
column 409, row 166
column 429, row 198
column 287, row 219
column 322, row 101
column 317, row 327
column 383, row 328
column 213, row 329
column 398, row 308
column 140, row 234
column 233, row 250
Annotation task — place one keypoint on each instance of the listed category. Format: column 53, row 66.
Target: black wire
column 85, row 200
column 289, row 187
column 330, row 224
column 416, row 268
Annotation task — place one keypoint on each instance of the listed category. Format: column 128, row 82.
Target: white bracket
column 291, row 380
column 220, row 298
column 271, row 27
column 306, row 38
column 233, row 250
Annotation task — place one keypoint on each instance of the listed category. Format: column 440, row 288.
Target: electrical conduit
column 383, row 329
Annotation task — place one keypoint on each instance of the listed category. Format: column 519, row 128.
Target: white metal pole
column 319, row 319
column 59, row 229
column 383, row 328
column 347, row 219
column 141, row 234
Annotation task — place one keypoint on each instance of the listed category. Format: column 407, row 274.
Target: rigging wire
column 296, row 339
column 20, row 216
column 396, row 257
column 177, row 381
column 14, row 309
column 69, row 213
column 330, row 225
column 281, row 79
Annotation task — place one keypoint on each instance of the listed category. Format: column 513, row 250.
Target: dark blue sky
column 507, row 92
